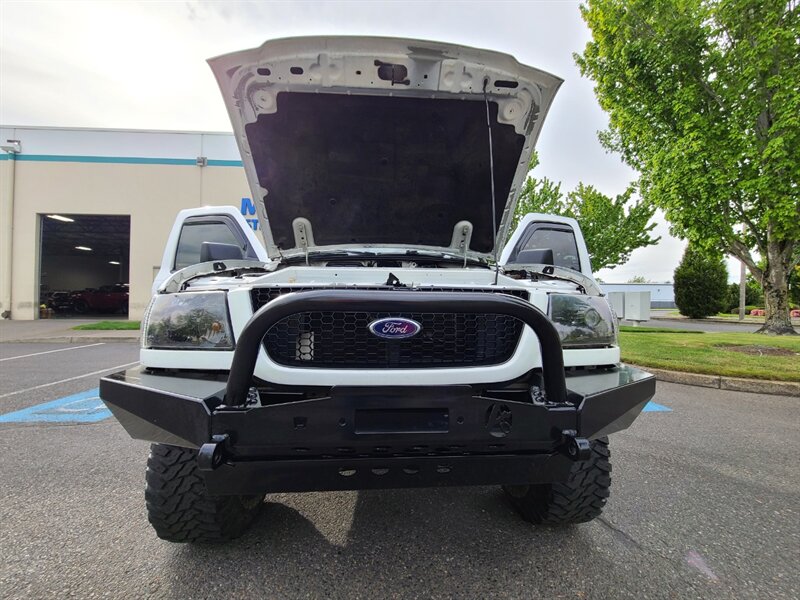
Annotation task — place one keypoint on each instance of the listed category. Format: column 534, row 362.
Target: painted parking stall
column 84, row 407
column 654, row 407
column 47, row 384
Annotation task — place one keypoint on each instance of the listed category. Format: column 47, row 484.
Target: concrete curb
column 734, row 384
column 707, row 321
column 78, row 339
column 713, row 321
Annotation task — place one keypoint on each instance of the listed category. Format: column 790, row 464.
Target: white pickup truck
column 379, row 338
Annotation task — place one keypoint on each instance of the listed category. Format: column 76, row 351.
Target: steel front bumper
column 379, row 437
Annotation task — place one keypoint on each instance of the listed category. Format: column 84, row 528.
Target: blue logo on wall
column 249, row 210
column 395, row 328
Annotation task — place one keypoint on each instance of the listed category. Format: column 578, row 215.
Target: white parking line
column 44, row 385
column 51, row 351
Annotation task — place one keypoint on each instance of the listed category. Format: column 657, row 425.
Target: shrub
column 753, row 294
column 747, row 309
column 701, row 283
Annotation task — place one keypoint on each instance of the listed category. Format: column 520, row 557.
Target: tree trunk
column 775, row 282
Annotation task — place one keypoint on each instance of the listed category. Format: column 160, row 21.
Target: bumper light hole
column 443, row 469
column 410, row 470
column 347, row 472
column 380, row 471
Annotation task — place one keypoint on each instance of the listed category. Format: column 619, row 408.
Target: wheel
column 80, row 306
column 578, row 500
column 180, row 509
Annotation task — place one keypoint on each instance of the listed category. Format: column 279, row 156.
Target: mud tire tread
column 180, row 509
column 578, row 500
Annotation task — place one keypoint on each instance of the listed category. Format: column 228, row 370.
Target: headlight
column 188, row 321
column 583, row 321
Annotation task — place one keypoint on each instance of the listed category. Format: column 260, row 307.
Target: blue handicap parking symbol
column 653, row 407
column 85, row 407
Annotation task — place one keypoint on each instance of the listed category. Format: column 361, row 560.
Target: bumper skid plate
column 348, row 437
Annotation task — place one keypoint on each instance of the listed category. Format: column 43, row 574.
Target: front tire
column 578, row 500
column 180, row 509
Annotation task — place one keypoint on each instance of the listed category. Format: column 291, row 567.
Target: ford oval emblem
column 395, row 328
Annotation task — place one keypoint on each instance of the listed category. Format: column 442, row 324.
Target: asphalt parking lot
column 704, row 504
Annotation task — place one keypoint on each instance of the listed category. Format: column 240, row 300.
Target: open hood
column 356, row 142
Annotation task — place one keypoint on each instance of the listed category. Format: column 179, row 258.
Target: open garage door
column 84, row 265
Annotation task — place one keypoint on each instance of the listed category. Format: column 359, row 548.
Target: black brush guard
column 361, row 437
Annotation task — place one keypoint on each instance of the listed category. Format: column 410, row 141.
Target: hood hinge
column 462, row 236
column 303, row 236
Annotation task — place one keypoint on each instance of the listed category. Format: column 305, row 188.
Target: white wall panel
column 220, row 146
column 120, row 143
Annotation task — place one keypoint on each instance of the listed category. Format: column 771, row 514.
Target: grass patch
column 110, row 326
column 714, row 353
column 632, row 329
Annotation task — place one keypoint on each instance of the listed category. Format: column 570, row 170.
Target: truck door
column 192, row 227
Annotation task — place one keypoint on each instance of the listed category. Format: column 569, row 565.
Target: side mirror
column 538, row 256
column 216, row 251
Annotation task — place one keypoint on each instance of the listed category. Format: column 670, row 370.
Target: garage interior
column 84, row 264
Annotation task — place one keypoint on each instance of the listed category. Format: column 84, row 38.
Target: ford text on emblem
column 395, row 328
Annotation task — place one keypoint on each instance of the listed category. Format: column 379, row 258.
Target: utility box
column 637, row 306
column 617, row 302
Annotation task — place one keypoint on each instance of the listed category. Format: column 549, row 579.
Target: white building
column 85, row 208
column 662, row 295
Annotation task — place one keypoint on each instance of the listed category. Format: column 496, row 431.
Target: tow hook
column 576, row 448
column 212, row 454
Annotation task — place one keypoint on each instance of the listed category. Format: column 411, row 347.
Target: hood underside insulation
column 378, row 169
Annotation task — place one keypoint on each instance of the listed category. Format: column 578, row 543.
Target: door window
column 194, row 234
column 561, row 240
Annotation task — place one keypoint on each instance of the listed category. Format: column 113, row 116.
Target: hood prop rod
column 491, row 174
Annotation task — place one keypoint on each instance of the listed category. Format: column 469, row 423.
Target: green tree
column 638, row 279
column 537, row 195
column 612, row 227
column 704, row 102
column 753, row 296
column 701, row 283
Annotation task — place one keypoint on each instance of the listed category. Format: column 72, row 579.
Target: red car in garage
column 107, row 298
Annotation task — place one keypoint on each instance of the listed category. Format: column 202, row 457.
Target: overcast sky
column 141, row 65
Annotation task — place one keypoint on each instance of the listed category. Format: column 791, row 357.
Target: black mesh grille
column 341, row 339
